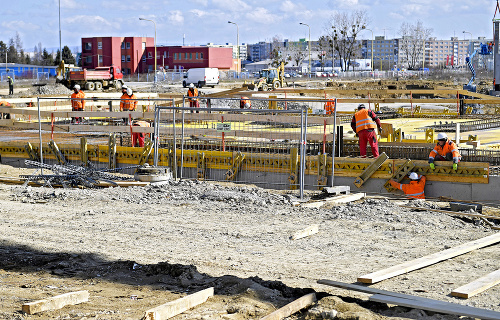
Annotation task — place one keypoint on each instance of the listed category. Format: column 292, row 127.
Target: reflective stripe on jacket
column 448, row 147
column 244, row 101
column 363, row 120
column 128, row 103
column 193, row 93
column 330, row 106
column 76, row 103
column 414, row 189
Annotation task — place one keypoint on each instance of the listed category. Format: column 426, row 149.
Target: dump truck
column 90, row 79
column 269, row 79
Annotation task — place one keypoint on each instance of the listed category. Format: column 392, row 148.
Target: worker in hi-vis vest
column 364, row 123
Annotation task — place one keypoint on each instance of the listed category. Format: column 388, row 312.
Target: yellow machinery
column 269, row 79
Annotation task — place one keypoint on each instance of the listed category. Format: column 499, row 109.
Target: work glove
column 455, row 166
column 380, row 130
column 432, row 166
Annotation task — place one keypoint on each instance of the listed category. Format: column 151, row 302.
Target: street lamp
column 60, row 43
column 155, row 43
column 304, row 24
column 237, row 41
column 471, row 44
column 372, row 44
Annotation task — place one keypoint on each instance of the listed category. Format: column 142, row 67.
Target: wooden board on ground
column 292, row 307
column 429, row 259
column 173, row 308
column 477, row 286
column 56, row 302
column 446, row 307
column 476, row 215
column 306, row 232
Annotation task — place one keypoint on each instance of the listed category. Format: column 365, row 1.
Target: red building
column 126, row 52
column 182, row 57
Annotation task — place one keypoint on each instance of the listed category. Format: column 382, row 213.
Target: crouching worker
column 138, row 137
column 414, row 189
column 445, row 150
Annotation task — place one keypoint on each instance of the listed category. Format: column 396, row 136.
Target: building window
column 128, row 58
column 123, row 45
column 196, row 55
column 185, row 55
column 150, row 55
column 99, row 45
column 89, row 59
column 100, row 60
column 201, row 55
column 123, row 58
column 190, row 56
column 88, row 46
column 144, row 58
column 175, row 56
column 128, row 45
column 143, row 45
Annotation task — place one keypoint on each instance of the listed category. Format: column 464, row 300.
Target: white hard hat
column 124, row 87
column 77, row 87
column 129, row 91
column 413, row 176
column 442, row 136
column 191, row 85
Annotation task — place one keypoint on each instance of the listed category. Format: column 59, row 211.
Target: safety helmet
column 191, row 85
column 442, row 136
column 124, row 87
column 413, row 176
column 8, row 77
column 361, row 106
column 129, row 91
column 76, row 87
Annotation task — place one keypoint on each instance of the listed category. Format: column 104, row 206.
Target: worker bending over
column 245, row 103
column 193, row 102
column 414, row 189
column 77, row 103
column 445, row 150
column 364, row 123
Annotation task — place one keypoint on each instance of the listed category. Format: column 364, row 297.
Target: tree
column 412, row 43
column 346, row 28
column 278, row 54
column 323, row 46
column 67, row 56
column 47, row 59
column 3, row 50
column 12, row 52
column 297, row 53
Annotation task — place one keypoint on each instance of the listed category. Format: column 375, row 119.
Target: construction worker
column 11, row 85
column 4, row 115
column 138, row 137
column 445, row 150
column 414, row 189
column 193, row 92
column 128, row 102
column 77, row 103
column 364, row 123
column 330, row 106
column 245, row 103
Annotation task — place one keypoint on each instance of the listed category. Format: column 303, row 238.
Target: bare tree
column 323, row 47
column 278, row 54
column 297, row 53
column 412, row 43
column 346, row 27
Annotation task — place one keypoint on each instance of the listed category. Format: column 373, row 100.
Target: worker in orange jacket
column 245, row 103
column 128, row 102
column 193, row 102
column 414, row 189
column 330, row 106
column 77, row 103
column 364, row 123
column 445, row 150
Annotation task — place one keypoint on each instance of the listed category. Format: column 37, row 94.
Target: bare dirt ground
column 137, row 248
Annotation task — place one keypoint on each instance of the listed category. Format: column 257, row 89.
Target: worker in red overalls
column 77, row 103
column 138, row 137
column 364, row 123
column 193, row 102
column 414, row 189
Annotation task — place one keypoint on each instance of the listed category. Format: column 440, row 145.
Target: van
column 201, row 77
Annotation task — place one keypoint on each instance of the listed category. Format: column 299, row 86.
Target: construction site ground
column 140, row 247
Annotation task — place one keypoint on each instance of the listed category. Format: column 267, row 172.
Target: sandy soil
column 137, row 248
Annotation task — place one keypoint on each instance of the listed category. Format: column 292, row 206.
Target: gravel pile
column 49, row 89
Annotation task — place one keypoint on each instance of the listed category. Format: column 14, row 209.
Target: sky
column 198, row 22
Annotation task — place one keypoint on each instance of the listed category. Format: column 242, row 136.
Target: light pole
column 372, row 45
column 155, row 43
column 471, row 44
column 304, row 24
column 60, row 42
column 237, row 42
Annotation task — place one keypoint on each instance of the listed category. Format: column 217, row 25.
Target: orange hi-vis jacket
column 414, row 189
column 244, row 101
column 128, row 103
column 76, row 103
column 363, row 120
column 330, row 106
column 448, row 147
column 193, row 93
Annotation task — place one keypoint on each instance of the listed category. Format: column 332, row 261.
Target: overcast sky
column 204, row 21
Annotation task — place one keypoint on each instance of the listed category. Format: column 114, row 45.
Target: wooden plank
column 313, row 229
column 292, row 307
column 346, row 198
column 477, row 286
column 437, row 306
column 429, row 259
column 477, row 215
column 453, row 307
column 56, row 302
column 173, row 308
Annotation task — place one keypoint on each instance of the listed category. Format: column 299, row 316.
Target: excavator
column 269, row 79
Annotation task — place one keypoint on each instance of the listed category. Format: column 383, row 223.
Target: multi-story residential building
column 385, row 52
column 242, row 47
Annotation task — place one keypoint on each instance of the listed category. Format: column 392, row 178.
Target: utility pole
column 309, row 47
column 60, row 41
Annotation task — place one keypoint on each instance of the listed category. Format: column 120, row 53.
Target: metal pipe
column 182, row 144
column 301, row 189
column 40, row 132
column 333, row 141
column 174, row 161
